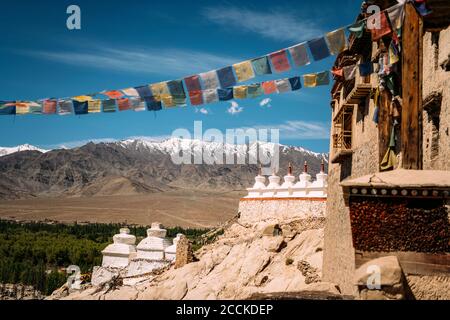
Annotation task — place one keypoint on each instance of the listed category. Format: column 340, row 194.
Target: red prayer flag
column 385, row 27
column 193, row 83
column 49, row 107
column 123, row 104
column 280, row 61
column 113, row 94
column 196, row 97
column 338, row 72
column 269, row 87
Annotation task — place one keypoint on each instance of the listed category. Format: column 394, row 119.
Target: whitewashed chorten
column 119, row 254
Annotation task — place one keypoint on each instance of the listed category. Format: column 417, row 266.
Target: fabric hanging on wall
column 390, row 159
column 358, row 29
column 159, row 89
column 365, row 69
column 283, row 85
column 94, row 106
column 280, row 61
column 137, row 104
column 168, row 101
column 244, row 71
column 226, row 77
column 349, row 72
column 209, row 80
column 336, row 41
column 123, row 104
column 269, row 87
column 254, row 90
column 225, row 94
column 323, row 78
column 7, row 108
column 295, row 83
column 193, row 83
column 240, row 92
column 385, row 27
column 109, row 105
column 396, row 15
column 144, row 91
column 261, row 66
column 310, row 80
column 393, row 54
column 82, row 98
column 49, row 107
column 80, row 107
column 65, row 107
column 176, row 89
column 152, row 104
column 319, row 49
column 35, row 108
column 299, row 54
column 210, row 96
column 196, row 97
column 132, row 92
column 113, row 94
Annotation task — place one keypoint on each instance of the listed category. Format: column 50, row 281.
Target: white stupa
column 260, row 185
column 274, row 185
column 286, row 187
column 171, row 251
column 119, row 254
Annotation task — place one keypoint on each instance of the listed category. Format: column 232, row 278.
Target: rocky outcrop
column 19, row 292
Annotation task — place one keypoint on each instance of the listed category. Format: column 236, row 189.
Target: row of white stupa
column 304, row 188
column 153, row 252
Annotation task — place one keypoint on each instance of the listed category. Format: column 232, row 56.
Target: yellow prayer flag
column 310, row 80
column 168, row 101
column 240, row 92
column 22, row 108
column 82, row 98
column 159, row 89
column 244, row 71
column 336, row 41
column 94, row 106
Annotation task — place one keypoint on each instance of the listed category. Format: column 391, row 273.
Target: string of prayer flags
column 283, row 85
column 196, row 97
column 299, row 54
column 244, row 71
column 225, row 94
column 65, row 107
column 254, row 90
column 176, row 89
column 381, row 30
column 193, row 83
column 79, row 107
column 358, row 28
column 159, row 89
column 49, row 107
column 269, row 87
column 280, row 61
column 365, row 69
column 209, row 80
column 226, row 77
column 295, row 83
column 319, row 49
column 349, row 72
column 113, row 94
column 94, row 106
column 123, row 104
column 336, row 41
column 261, row 66
column 210, row 96
column 240, row 92
column 109, row 105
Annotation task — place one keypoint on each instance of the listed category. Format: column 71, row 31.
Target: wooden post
column 411, row 124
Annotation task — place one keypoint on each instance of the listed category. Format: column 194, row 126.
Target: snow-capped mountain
column 24, row 147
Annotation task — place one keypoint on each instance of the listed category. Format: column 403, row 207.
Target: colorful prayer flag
column 82, row 98
column 280, row 61
column 131, row 92
column 299, row 55
column 168, row 101
column 319, row 49
column 337, row 72
column 7, row 108
column 349, row 72
column 261, row 66
column 336, row 41
column 209, row 80
column 49, row 107
column 244, row 71
column 176, row 90
column 123, row 104
column 22, row 108
column 35, row 108
column 210, row 96
column 283, row 85
column 365, row 69
column 193, row 83
column 79, row 107
column 310, row 80
column 254, row 90
column 152, row 103
column 393, row 54
column 137, row 104
column 196, row 97
column 358, row 28
column 295, row 83
column 144, row 91
column 65, row 107
column 269, row 87
column 159, row 89
column 225, row 94
column 95, row 106
column 323, row 78
column 113, row 94
column 109, row 105
column 240, row 92
column 226, row 77
column 383, row 29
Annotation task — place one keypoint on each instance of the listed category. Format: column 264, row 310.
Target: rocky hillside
column 133, row 167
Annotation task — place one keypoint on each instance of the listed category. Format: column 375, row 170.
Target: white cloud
column 266, row 103
column 277, row 25
column 299, row 130
column 138, row 60
column 235, row 108
column 202, row 111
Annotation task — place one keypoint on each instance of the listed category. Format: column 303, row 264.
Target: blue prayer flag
column 366, row 69
column 153, row 104
column 80, row 107
column 319, row 48
column 295, row 83
column 226, row 77
column 144, row 91
column 6, row 109
column 225, row 94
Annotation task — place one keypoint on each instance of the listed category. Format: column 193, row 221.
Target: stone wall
column 254, row 211
column 436, row 122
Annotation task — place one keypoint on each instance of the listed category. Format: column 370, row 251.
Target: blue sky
column 130, row 43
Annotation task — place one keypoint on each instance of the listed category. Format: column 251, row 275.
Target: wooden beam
column 411, row 123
